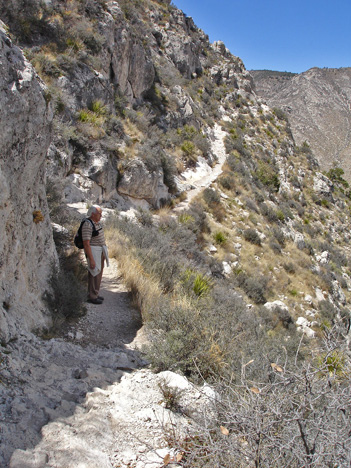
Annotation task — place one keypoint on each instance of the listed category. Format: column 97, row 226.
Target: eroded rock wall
column 26, row 244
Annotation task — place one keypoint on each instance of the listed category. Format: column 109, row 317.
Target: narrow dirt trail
column 115, row 322
column 203, row 175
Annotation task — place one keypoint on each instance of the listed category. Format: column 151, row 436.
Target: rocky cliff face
column 26, row 245
column 317, row 103
column 113, row 69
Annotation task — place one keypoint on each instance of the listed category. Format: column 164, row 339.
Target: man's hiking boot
column 95, row 301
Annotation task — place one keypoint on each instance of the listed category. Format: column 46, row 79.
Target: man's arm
column 89, row 253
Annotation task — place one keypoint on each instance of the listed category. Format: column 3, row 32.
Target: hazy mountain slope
column 318, row 104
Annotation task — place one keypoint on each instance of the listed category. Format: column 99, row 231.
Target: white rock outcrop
column 138, row 182
column 124, row 424
column 26, row 243
column 323, row 186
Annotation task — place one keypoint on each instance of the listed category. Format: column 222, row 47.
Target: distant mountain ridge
column 318, row 104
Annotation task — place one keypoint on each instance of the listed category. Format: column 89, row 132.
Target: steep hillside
column 129, row 81
column 317, row 103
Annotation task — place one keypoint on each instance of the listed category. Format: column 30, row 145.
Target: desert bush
column 255, row 288
column 251, row 235
column 194, row 322
column 45, row 64
column 289, row 267
column 280, row 114
column 236, row 144
column 144, row 217
column 277, row 249
column 211, row 196
column 170, row 396
column 279, row 236
column 336, row 255
column 236, row 165
column 250, row 204
column 220, row 238
column 296, row 416
column 199, row 225
column 227, row 181
column 284, row 207
column 202, row 144
column 268, row 213
column 267, row 174
column 327, row 311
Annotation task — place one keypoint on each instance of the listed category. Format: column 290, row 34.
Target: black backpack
column 78, row 241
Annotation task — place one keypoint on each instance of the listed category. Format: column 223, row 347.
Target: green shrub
column 289, row 267
column 211, row 196
column 227, row 182
column 267, row 174
column 188, row 148
column 196, row 283
column 87, row 116
column 335, row 174
column 186, row 218
column 98, row 107
column 251, row 235
column 220, row 238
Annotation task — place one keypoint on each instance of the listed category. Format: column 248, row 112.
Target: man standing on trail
column 95, row 251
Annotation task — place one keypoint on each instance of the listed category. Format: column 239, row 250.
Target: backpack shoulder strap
column 91, row 222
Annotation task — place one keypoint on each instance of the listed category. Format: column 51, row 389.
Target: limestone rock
column 139, row 183
column 273, row 306
column 337, row 293
column 26, row 244
column 123, row 424
column 304, row 325
column 183, row 51
column 323, row 258
column 323, row 186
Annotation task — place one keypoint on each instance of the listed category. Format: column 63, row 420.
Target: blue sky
column 283, row 35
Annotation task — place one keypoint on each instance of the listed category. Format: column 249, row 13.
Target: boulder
column 138, row 182
column 323, row 186
column 323, row 258
column 273, row 306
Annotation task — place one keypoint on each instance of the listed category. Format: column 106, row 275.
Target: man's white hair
column 93, row 209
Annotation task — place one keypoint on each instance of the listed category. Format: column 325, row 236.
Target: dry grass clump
column 196, row 321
